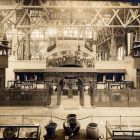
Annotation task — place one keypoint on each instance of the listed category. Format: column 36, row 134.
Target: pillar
column 2, row 77
column 50, row 93
column 27, row 55
column 94, row 50
column 81, row 91
column 123, row 77
column 114, row 77
column 104, row 78
column 105, row 56
column 2, row 70
column 127, row 50
column 123, row 49
column 70, row 93
column 100, row 55
column 1, row 29
column 58, row 91
column 27, row 48
column 14, row 42
column 48, row 89
column 25, row 77
column 92, row 91
column 113, row 47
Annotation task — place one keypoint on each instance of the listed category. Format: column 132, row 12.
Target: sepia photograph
column 69, row 69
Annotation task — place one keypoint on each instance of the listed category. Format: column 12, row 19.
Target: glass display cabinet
column 20, row 132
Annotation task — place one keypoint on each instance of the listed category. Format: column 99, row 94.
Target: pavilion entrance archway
column 71, row 87
column 72, row 91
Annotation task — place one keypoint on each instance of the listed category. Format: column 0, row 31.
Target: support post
column 70, row 93
column 58, row 91
column 91, row 94
column 48, row 90
column 81, row 90
column 128, row 94
column 92, row 91
column 113, row 47
column 110, row 96
column 14, row 42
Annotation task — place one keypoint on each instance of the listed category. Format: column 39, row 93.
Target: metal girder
column 78, row 25
column 106, row 36
column 54, row 15
column 98, row 19
column 8, row 15
column 68, row 7
column 31, row 29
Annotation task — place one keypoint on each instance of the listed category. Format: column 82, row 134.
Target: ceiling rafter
column 111, row 19
column 104, row 39
column 29, row 31
column 94, row 20
column 8, row 15
column 134, row 16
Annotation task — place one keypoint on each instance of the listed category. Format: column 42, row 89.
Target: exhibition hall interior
column 69, row 69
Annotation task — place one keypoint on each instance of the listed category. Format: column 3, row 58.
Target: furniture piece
column 20, row 132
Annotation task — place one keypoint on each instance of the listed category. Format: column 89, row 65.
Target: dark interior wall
column 2, row 77
column 138, row 78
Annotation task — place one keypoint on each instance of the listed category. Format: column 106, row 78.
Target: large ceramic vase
column 92, row 131
column 50, row 128
column 71, row 125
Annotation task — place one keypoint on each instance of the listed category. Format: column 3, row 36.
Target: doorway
column 72, row 93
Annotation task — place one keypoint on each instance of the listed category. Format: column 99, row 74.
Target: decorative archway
column 70, row 82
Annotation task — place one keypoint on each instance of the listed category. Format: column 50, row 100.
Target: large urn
column 93, row 132
column 50, row 128
column 71, row 125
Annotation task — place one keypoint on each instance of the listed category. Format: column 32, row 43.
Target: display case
column 122, row 132
column 20, row 132
column 136, row 49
